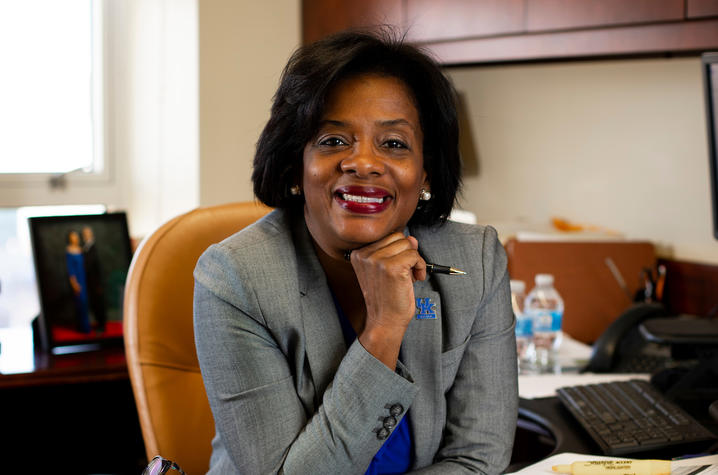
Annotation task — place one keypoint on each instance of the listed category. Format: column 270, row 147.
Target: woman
column 325, row 346
column 78, row 282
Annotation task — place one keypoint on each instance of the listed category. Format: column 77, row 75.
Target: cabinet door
column 701, row 8
column 543, row 15
column 431, row 20
column 323, row 17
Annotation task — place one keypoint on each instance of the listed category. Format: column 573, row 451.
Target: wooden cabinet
column 546, row 15
column 323, row 17
column 701, row 8
column 481, row 31
column 429, row 20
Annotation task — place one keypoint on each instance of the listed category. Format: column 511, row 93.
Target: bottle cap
column 544, row 279
column 517, row 286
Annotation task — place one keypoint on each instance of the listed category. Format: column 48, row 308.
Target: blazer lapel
column 424, row 345
column 420, row 352
column 325, row 345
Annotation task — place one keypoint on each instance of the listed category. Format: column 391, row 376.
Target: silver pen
column 437, row 269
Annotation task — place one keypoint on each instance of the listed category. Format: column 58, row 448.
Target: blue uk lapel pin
column 426, row 308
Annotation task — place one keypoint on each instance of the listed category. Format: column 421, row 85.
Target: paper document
column 707, row 465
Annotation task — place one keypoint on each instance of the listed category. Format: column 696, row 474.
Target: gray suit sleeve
column 482, row 403
column 261, row 424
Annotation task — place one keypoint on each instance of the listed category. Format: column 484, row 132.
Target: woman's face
column 73, row 238
column 364, row 168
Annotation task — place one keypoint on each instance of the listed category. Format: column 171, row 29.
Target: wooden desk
column 546, row 428
column 89, row 367
column 72, row 413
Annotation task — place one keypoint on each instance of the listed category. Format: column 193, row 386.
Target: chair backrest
column 171, row 402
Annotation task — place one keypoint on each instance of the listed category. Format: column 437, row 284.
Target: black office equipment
column 622, row 348
column 630, row 417
column 695, row 332
column 709, row 62
column 694, row 385
column 713, row 410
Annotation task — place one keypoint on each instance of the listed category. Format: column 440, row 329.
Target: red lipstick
column 362, row 199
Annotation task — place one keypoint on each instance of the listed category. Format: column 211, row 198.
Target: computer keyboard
column 626, row 417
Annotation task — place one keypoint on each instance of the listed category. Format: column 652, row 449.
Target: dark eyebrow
column 382, row 123
column 336, row 123
column 392, row 122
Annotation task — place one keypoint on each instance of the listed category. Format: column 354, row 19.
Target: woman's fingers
column 386, row 271
column 419, row 268
column 395, row 250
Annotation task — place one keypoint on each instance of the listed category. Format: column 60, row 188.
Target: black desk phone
column 680, row 353
column 622, row 348
column 645, row 339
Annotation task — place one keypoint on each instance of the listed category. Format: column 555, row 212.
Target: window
column 51, row 107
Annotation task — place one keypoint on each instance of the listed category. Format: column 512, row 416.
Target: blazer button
column 396, row 410
column 389, row 422
column 382, row 434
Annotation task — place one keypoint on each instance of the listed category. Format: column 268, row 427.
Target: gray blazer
column 288, row 396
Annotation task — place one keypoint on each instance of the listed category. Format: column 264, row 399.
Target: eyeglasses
column 160, row 466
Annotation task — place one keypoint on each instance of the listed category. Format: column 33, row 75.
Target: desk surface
column 546, row 428
column 22, row 366
column 554, row 422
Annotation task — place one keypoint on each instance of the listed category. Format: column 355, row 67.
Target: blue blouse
column 396, row 453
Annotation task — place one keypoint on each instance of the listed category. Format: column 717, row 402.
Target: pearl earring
column 295, row 190
column 424, row 195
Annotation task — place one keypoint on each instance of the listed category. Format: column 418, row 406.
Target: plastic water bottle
column 544, row 306
column 524, row 333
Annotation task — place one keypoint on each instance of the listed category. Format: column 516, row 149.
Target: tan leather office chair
column 159, row 340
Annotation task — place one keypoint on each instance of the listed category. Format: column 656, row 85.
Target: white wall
column 243, row 46
column 620, row 144
column 156, row 123
column 200, row 79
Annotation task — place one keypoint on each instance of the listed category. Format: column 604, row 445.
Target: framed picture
column 81, row 263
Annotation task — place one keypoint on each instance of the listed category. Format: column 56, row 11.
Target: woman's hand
column 76, row 287
column 386, row 271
